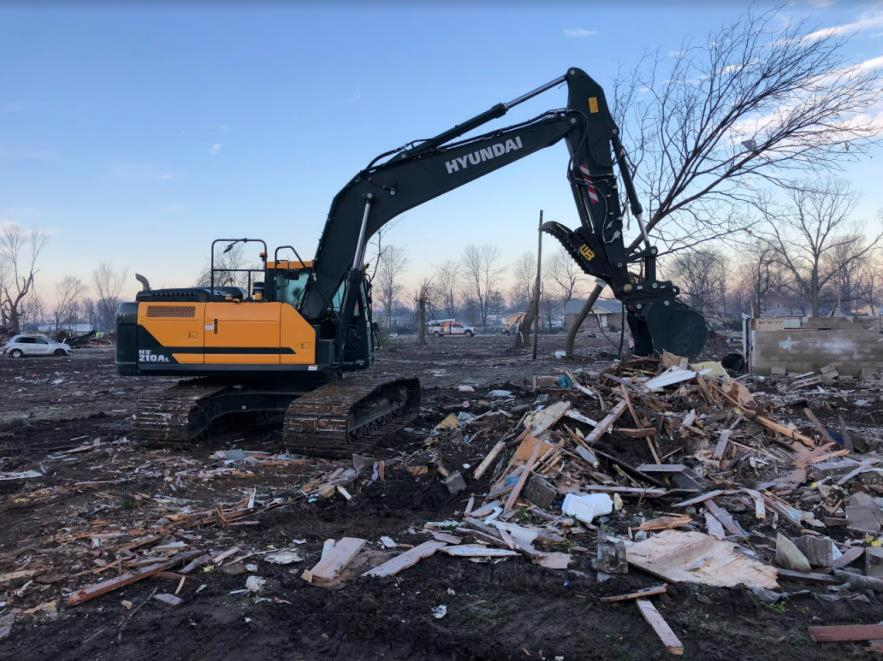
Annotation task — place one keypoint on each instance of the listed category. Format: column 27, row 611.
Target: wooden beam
column 486, row 462
column 522, row 480
column 607, row 422
column 660, row 626
column 90, row 592
column 640, row 594
column 332, row 563
column 404, row 560
column 846, row 632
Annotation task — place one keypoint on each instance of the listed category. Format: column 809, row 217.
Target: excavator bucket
column 668, row 325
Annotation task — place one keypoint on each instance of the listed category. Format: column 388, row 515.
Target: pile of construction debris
column 677, row 470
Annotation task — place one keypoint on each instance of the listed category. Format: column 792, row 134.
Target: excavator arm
column 405, row 178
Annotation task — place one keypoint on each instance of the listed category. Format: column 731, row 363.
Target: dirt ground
column 503, row 610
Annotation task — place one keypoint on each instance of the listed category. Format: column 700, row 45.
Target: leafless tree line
column 20, row 304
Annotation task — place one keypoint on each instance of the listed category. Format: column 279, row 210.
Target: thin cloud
column 215, row 149
column 579, row 33
column 870, row 20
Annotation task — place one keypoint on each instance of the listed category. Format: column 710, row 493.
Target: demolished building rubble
column 674, row 471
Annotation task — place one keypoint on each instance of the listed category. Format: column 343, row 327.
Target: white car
column 35, row 345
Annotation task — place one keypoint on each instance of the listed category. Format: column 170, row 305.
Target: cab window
column 290, row 287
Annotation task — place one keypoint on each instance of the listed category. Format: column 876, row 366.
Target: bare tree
column 447, row 281
column 524, row 272
column 386, row 280
column 66, row 294
column 19, row 251
column 480, row 264
column 107, row 284
column 806, row 236
column 422, row 299
column 849, row 262
column 712, row 124
column 760, row 276
column 702, row 274
column 227, row 265
column 564, row 274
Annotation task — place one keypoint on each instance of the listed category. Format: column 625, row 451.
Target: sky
column 137, row 135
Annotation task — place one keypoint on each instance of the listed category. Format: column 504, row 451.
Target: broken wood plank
column 329, row 566
column 640, row 594
column 725, row 518
column 695, row 500
column 489, row 458
column 665, row 522
column 627, row 491
column 660, row 626
column 849, row 555
column 694, row 557
column 477, row 551
column 90, row 592
column 407, row 559
column 519, row 485
column 839, row 633
column 607, row 422
column 714, row 527
column 818, row 425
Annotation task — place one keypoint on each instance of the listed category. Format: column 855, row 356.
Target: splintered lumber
column 648, row 492
column 489, row 458
column 640, row 594
column 660, row 626
column 90, row 592
column 607, row 422
column 818, row 425
column 541, row 420
column 516, row 490
column 477, row 551
column 665, row 522
column 695, row 500
column 725, row 518
column 846, row 632
column 669, row 377
column 784, row 431
column 331, row 564
column 407, row 559
column 694, row 557
column 714, row 527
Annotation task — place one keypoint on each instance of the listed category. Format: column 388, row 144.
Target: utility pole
column 536, row 289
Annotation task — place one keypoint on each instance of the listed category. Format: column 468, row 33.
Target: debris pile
column 678, row 470
column 660, row 471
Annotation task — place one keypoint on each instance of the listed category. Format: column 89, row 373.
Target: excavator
column 292, row 342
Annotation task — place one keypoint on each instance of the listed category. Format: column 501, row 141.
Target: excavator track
column 173, row 416
column 335, row 419
column 351, row 415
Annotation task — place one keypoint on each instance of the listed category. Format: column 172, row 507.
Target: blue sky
column 137, row 136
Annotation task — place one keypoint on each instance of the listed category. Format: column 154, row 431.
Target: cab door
column 245, row 333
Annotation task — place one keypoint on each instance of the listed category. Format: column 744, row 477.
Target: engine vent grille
column 172, row 311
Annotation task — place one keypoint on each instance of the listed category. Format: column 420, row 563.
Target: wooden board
column 694, row 557
column 660, row 626
column 96, row 590
column 606, row 422
column 846, row 632
column 477, row 551
column 407, row 559
column 332, row 563
column 640, row 594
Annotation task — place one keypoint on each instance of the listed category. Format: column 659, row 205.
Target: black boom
column 402, row 179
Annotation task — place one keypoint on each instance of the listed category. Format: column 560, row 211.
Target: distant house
column 608, row 312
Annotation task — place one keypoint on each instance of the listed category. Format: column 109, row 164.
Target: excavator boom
column 400, row 180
